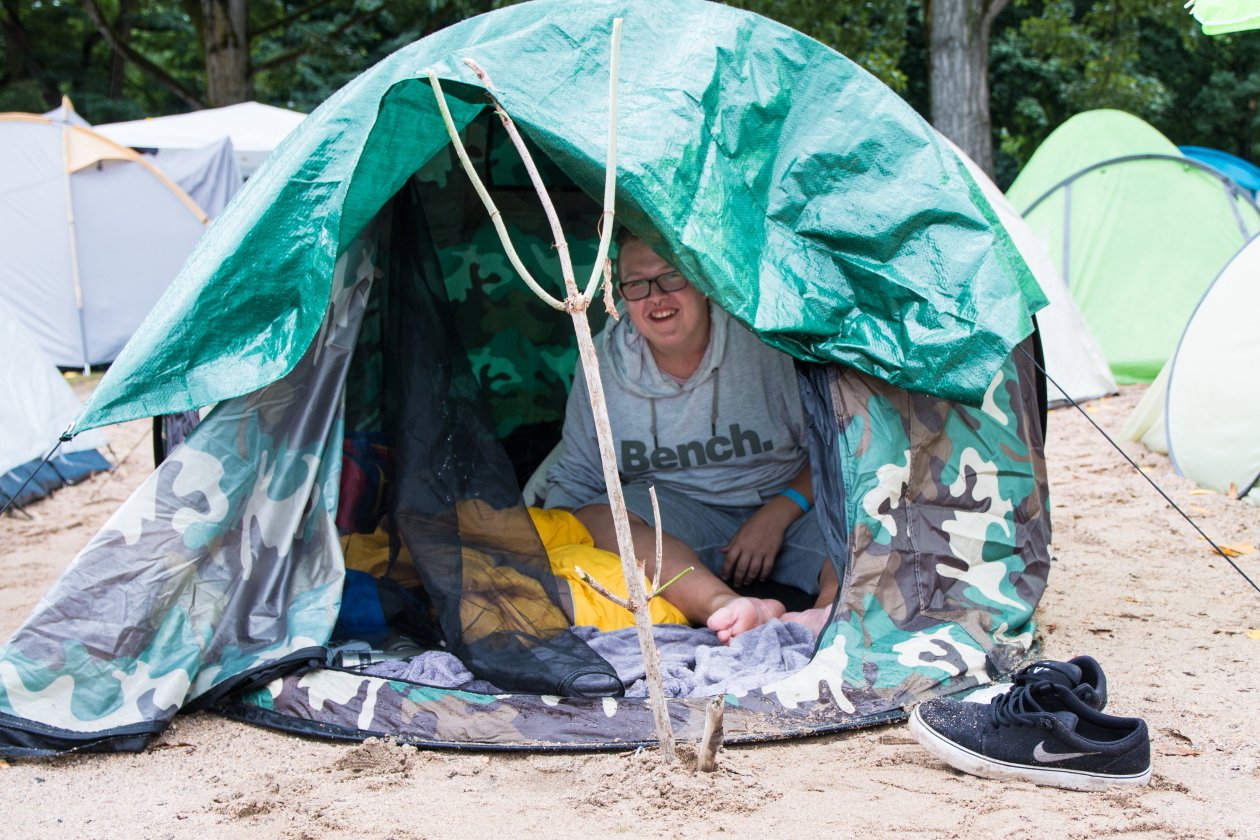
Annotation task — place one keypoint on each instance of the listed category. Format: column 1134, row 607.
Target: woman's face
column 670, row 321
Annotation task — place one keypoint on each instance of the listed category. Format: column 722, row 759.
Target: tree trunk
column 958, row 44
column 19, row 57
column 226, row 40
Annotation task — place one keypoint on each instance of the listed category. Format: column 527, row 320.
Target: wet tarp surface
column 787, row 181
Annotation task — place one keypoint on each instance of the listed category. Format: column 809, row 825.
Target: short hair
column 624, row 235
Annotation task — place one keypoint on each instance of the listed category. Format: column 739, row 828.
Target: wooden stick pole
column 576, row 304
column 495, row 216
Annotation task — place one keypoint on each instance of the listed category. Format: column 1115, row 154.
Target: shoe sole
column 968, row 761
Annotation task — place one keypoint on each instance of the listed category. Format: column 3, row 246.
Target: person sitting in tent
column 711, row 416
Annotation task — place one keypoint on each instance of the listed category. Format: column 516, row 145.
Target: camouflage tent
column 380, row 375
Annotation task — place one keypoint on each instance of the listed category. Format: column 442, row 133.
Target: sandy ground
column 1133, row 585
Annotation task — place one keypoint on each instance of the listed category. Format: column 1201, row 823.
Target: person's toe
column 815, row 619
column 742, row 615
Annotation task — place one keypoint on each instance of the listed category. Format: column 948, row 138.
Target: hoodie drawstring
column 655, row 444
column 713, row 409
column 713, row 412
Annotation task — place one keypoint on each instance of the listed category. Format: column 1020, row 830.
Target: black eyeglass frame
column 645, row 283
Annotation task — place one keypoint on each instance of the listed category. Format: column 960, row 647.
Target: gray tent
column 1074, row 364
column 91, row 236
column 38, row 406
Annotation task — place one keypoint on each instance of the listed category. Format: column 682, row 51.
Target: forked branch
column 576, row 303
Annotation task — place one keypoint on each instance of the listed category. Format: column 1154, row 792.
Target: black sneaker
column 1038, row 731
column 1081, row 675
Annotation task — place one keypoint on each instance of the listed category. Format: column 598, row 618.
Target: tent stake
column 711, row 740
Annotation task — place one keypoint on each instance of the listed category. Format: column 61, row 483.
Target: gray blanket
column 693, row 663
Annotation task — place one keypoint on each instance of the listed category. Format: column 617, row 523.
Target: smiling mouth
column 662, row 314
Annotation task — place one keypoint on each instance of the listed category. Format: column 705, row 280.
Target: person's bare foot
column 740, row 615
column 815, row 619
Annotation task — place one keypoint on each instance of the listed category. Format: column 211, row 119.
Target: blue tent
column 1244, row 173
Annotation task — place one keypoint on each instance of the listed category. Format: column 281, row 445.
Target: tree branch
column 298, row 52
column 20, row 58
column 660, row 590
column 289, row 18
column 168, row 81
column 711, row 740
column 576, row 305
column 610, row 306
column 585, row 577
column 560, row 242
column 989, row 13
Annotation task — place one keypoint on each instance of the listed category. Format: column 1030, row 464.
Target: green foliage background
column 1049, row 59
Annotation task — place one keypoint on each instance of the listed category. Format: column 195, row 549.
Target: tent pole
column 1231, row 196
column 1255, row 481
column 1067, row 236
column 74, row 246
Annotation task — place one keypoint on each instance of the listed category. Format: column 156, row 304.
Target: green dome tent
column 1137, row 229
column 376, row 364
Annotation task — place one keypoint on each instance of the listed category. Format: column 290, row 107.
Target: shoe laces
column 1019, row 706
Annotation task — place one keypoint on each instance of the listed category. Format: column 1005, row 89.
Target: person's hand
column 751, row 553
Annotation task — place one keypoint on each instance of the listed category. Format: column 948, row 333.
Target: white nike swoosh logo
column 1039, row 753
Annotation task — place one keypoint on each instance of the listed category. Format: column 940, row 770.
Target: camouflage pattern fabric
column 522, row 351
column 944, row 519
column 948, row 539
column 948, row 555
column 224, row 564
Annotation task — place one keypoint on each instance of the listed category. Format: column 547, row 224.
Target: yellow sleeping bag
column 569, row 544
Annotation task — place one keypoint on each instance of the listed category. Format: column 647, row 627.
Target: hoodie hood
column 634, row 368
column 730, row 435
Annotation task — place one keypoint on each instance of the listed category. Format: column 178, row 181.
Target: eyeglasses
column 670, row 281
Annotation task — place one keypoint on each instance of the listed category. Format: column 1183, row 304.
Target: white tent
column 90, row 233
column 208, row 174
column 1203, row 407
column 255, row 129
column 1073, row 359
column 65, row 113
column 37, row 407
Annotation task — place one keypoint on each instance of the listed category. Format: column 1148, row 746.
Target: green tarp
column 804, row 196
column 786, row 180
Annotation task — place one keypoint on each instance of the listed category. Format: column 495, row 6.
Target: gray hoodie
column 733, row 434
